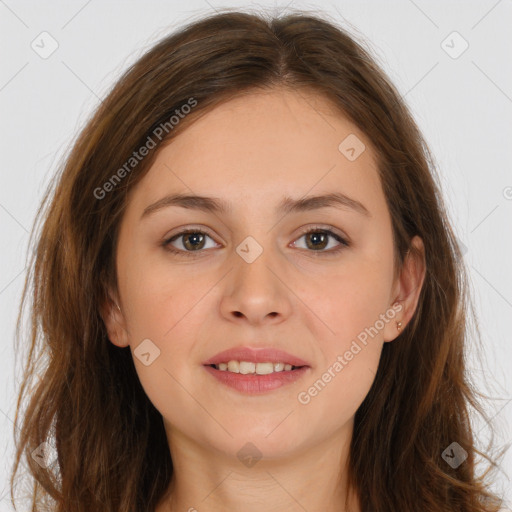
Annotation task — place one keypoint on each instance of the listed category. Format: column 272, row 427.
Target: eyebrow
column 287, row 205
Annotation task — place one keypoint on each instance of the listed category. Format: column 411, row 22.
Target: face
column 251, row 275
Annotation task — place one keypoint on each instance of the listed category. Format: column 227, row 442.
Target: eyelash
column 343, row 243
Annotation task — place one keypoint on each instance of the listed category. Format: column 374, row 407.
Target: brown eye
column 318, row 239
column 192, row 240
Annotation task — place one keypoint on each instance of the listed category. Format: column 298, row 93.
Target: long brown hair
column 84, row 395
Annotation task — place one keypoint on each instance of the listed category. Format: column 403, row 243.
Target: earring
column 118, row 306
column 399, row 326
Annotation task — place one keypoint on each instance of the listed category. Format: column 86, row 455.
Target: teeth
column 234, row 366
column 246, row 367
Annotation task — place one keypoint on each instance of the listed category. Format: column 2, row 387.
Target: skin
column 252, row 151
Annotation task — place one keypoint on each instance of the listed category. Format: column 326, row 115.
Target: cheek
column 165, row 309
column 158, row 295
column 350, row 358
column 353, row 309
column 348, row 302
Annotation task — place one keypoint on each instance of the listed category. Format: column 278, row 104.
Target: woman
column 249, row 292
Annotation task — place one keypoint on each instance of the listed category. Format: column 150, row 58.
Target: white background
column 463, row 106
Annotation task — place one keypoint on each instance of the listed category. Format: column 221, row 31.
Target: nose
column 256, row 292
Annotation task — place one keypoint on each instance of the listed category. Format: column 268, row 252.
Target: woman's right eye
column 192, row 240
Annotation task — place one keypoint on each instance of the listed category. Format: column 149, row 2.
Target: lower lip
column 255, row 384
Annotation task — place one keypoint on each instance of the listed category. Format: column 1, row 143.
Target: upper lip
column 256, row 355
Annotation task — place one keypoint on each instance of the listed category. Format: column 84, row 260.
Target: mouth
column 243, row 359
column 254, row 371
column 251, row 378
column 253, row 368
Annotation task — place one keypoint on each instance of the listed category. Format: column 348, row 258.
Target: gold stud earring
column 399, row 326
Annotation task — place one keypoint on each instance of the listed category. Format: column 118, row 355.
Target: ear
column 114, row 321
column 407, row 288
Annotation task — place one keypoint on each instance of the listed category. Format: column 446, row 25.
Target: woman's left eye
column 193, row 240
column 318, row 239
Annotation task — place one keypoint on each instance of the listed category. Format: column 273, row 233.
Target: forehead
column 259, row 147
